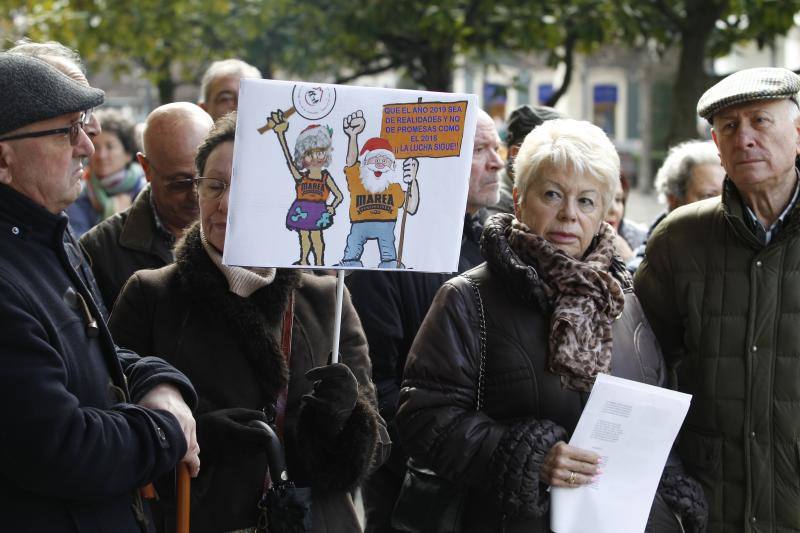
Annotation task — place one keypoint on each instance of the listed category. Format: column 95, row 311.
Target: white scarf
column 241, row 281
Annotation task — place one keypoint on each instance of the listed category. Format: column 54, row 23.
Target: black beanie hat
column 523, row 119
column 33, row 91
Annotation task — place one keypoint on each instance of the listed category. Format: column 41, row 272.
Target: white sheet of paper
column 273, row 216
column 632, row 426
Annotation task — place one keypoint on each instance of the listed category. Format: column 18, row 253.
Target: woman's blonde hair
column 574, row 147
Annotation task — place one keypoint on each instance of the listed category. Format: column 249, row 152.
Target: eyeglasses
column 211, row 188
column 181, row 186
column 73, row 130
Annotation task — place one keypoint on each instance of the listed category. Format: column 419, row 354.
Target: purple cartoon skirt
column 308, row 215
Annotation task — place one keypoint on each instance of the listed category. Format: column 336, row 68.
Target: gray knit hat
column 33, row 91
column 749, row 85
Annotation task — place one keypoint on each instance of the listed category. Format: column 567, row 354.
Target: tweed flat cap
column 32, row 91
column 749, row 85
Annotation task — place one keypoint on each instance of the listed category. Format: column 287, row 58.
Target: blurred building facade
column 625, row 91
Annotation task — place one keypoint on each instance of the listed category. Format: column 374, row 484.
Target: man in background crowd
column 219, row 89
column 690, row 173
column 142, row 236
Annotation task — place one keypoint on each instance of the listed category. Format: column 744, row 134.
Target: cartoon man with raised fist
column 376, row 194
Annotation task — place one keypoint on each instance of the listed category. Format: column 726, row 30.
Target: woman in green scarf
column 114, row 178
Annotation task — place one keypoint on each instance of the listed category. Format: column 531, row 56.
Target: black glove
column 227, row 430
column 334, row 396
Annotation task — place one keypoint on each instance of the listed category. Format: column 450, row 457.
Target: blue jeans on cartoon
column 360, row 233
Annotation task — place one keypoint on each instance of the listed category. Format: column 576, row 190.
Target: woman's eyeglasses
column 211, row 188
column 74, row 130
column 207, row 188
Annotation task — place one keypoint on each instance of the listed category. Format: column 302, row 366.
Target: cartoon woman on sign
column 310, row 213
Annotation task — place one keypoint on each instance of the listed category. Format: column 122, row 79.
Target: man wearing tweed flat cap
column 720, row 284
column 75, row 446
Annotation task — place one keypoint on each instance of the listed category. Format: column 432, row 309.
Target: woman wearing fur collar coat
column 554, row 296
column 222, row 327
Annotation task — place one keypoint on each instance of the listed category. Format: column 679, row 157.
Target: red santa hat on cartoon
column 377, row 146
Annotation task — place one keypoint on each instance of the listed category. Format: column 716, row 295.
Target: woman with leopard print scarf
column 558, row 309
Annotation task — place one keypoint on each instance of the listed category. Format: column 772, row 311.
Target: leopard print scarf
column 585, row 297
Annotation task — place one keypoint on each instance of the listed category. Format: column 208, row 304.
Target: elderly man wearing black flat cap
column 720, row 284
column 84, row 422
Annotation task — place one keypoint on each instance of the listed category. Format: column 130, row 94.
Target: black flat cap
column 749, row 85
column 33, row 91
column 524, row 118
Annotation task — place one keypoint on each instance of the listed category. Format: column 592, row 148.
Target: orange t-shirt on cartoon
column 375, row 207
column 313, row 190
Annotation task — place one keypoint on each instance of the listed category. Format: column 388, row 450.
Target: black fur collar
column 250, row 318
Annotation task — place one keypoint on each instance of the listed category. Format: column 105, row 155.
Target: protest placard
column 344, row 177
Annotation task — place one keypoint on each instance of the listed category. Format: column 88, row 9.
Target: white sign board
column 349, row 177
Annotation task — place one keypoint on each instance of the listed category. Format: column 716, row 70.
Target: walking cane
column 182, row 507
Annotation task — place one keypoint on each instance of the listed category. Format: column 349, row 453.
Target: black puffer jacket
column 497, row 452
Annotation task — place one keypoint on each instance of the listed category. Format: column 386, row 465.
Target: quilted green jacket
column 726, row 310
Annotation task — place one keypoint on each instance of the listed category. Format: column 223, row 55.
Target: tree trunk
column 436, row 73
column 166, row 90
column 691, row 79
column 569, row 60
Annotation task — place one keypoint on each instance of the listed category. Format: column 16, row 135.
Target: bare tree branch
column 366, row 71
column 569, row 57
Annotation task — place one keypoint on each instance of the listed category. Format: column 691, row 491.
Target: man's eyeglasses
column 207, row 188
column 74, row 130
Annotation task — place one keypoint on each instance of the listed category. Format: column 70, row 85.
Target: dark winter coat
column 497, row 452
column 725, row 308
column 391, row 306
column 124, row 243
column 73, row 451
column 230, row 348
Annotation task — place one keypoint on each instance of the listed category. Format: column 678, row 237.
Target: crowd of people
column 128, row 346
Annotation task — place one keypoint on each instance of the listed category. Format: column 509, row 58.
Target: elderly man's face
column 46, row 169
column 223, row 95
column 705, row 182
column 758, row 142
column 484, row 187
column 168, row 165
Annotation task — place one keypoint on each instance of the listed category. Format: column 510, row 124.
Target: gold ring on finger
column 571, row 479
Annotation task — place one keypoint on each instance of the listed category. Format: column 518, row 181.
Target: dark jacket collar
column 734, row 210
column 31, row 220
column 139, row 229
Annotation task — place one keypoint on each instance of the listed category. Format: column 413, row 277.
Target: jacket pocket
column 649, row 353
column 701, row 453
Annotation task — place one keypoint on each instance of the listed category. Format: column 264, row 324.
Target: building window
column 495, row 97
column 605, row 106
column 545, row 92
